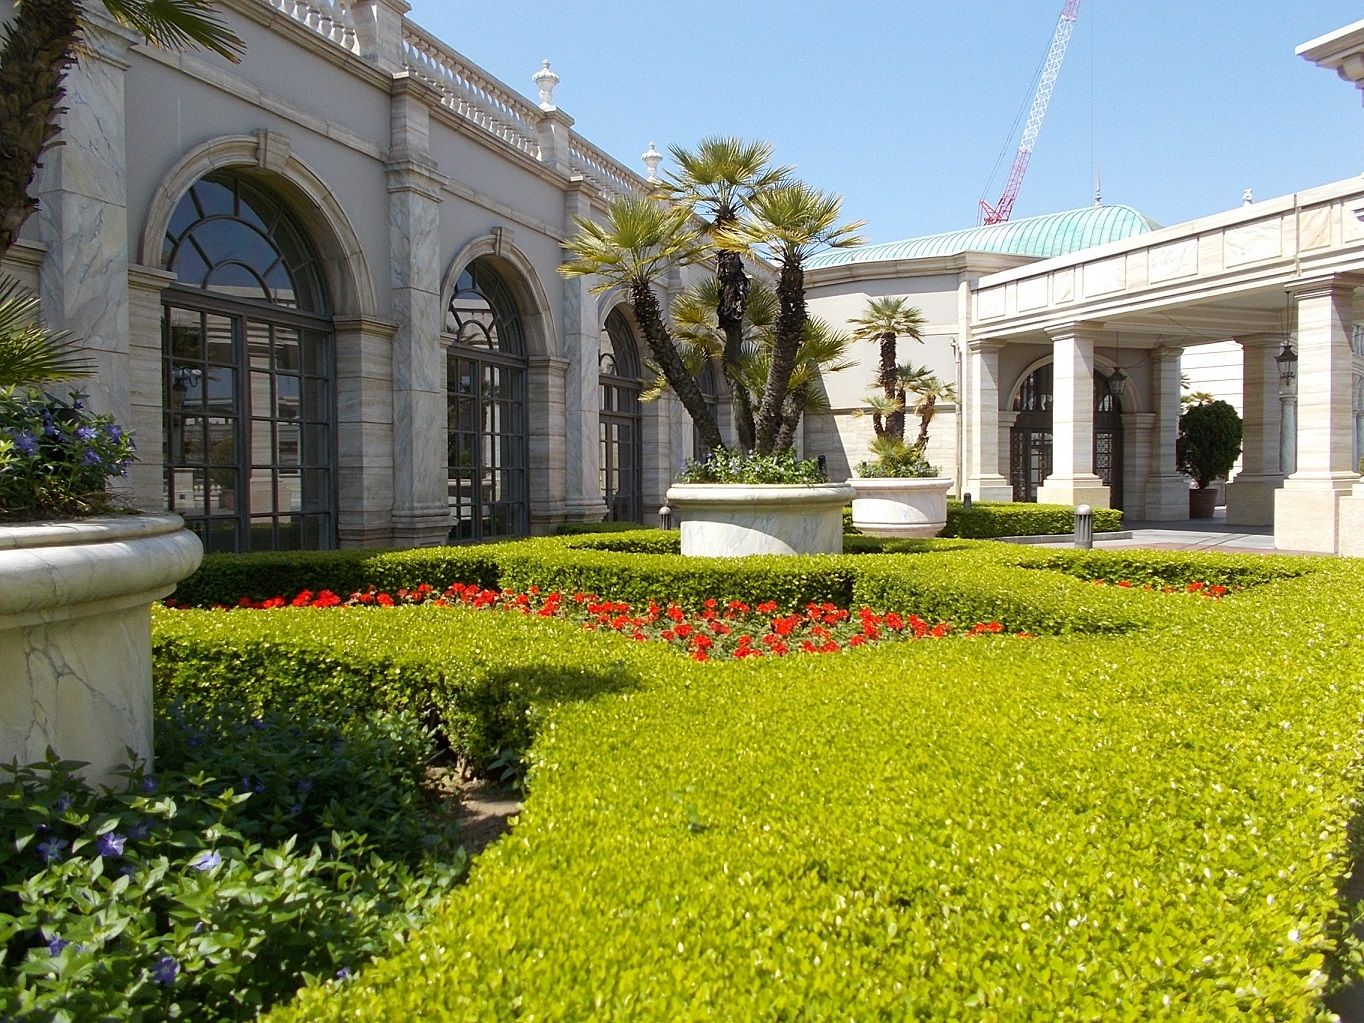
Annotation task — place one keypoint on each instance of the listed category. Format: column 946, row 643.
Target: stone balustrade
column 331, row 19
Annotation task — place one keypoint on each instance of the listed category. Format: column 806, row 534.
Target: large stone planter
column 75, row 635
column 900, row 507
column 731, row 520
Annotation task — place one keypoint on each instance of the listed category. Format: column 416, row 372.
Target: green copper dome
column 1053, row 234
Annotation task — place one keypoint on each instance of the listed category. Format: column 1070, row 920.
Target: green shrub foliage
column 1209, row 441
column 988, row 519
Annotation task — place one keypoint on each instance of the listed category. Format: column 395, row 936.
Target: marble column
column 1072, row 480
column 83, row 216
column 364, row 430
column 984, row 481
column 582, row 399
column 1167, row 490
column 545, row 382
column 1138, row 431
column 1250, row 496
column 1007, row 420
column 421, row 511
column 1307, row 509
column 147, row 486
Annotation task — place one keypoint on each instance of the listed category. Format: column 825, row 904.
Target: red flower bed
column 732, row 630
column 1211, row 590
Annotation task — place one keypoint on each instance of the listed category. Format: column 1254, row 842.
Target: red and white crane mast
column 1000, row 211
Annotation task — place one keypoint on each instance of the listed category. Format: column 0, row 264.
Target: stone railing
column 331, row 19
column 603, row 171
column 474, row 95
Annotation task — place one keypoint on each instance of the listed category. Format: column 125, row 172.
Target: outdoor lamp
column 1288, row 363
column 1116, row 383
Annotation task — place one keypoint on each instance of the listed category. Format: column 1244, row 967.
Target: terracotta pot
column 1202, row 503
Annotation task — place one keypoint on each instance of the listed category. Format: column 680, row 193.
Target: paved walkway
column 1205, row 535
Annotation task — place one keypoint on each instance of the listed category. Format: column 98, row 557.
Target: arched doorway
column 622, row 445
column 1030, row 441
column 247, row 360
column 487, row 432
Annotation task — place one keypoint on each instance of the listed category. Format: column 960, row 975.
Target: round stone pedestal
column 732, row 520
column 75, row 635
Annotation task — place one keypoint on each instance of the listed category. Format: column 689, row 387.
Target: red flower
column 384, row 600
column 766, row 607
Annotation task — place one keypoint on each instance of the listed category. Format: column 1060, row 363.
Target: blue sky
column 904, row 107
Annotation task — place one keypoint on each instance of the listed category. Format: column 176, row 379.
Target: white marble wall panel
column 1063, row 286
column 1314, row 227
column 1032, row 293
column 1173, row 260
column 1253, row 243
column 1105, row 276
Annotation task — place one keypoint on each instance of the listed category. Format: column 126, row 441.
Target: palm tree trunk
column 895, row 422
column 790, row 328
column 793, row 409
column 684, row 385
column 729, row 313
column 36, row 50
column 926, row 410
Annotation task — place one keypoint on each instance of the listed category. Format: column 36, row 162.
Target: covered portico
column 1275, row 276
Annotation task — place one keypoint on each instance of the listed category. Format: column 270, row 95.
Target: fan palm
column 927, row 390
column 786, row 223
column 38, row 46
column 716, row 182
column 637, row 244
column 29, row 352
column 886, row 320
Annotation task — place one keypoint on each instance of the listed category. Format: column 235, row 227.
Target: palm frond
column 789, row 221
column 717, row 179
column 178, row 25
column 638, row 242
column 890, row 314
column 29, row 352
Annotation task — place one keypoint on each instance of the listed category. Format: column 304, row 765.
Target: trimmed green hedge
column 478, row 674
column 1069, row 828
column 594, row 528
column 988, row 519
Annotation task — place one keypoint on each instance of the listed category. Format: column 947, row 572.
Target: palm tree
column 886, row 320
column 29, row 352
column 786, row 223
column 639, row 242
column 928, row 390
column 716, row 182
column 36, row 49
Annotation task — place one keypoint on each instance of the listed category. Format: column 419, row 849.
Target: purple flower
column 64, row 802
column 55, row 946
column 26, row 442
column 206, row 861
column 165, row 970
column 111, row 844
column 86, row 433
column 114, row 432
column 92, row 458
column 343, row 973
column 149, row 783
column 52, row 849
column 140, row 830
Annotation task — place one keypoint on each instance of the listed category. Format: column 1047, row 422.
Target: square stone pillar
column 1307, row 509
column 421, row 512
column 364, row 431
column 83, row 217
column 1138, row 450
column 545, row 378
column 146, row 484
column 983, row 480
column 582, row 391
column 1072, row 480
column 1250, row 496
column 1167, row 490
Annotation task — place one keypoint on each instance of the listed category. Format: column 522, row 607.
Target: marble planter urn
column 75, row 635
column 900, row 507
column 732, row 520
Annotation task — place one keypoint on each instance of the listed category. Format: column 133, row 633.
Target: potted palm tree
column 897, row 492
column 726, row 506
column 79, row 576
column 1208, row 445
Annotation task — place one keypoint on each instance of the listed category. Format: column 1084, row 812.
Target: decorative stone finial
column 545, row 80
column 1247, row 197
column 652, row 158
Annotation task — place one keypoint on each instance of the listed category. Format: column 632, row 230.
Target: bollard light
column 966, row 501
column 665, row 517
column 1084, row 527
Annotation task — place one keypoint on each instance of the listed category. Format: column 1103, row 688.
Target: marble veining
column 733, row 521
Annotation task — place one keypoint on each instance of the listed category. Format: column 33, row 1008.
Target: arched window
column 249, row 452
column 486, row 392
column 622, row 448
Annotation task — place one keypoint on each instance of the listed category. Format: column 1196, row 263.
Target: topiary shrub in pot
column 1208, row 445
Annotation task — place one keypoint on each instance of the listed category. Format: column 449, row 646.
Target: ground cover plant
column 243, row 868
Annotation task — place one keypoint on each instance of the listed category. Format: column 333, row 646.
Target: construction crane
column 1051, row 67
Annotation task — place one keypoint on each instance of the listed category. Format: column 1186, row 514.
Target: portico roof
column 1052, row 234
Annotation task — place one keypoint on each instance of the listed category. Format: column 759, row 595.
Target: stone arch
column 519, row 274
column 266, row 156
column 1130, row 401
